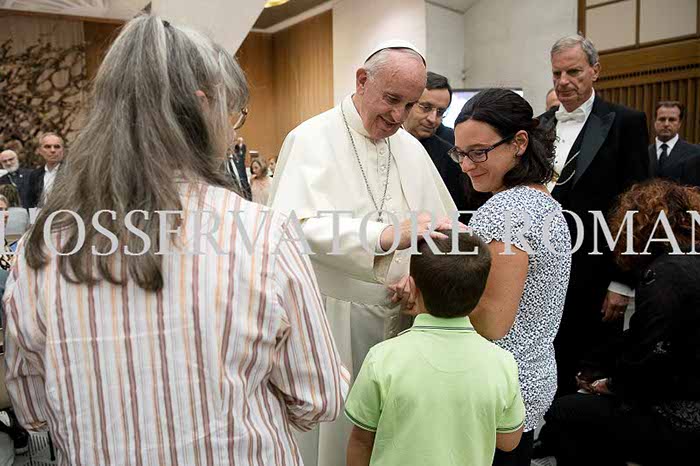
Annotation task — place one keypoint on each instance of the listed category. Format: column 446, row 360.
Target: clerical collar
column 353, row 116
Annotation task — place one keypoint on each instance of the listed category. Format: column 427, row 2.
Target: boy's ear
column 418, row 307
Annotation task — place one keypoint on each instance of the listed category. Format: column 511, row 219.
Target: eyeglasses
column 428, row 109
column 241, row 119
column 475, row 155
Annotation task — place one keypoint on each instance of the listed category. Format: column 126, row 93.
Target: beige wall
column 290, row 74
column 507, row 44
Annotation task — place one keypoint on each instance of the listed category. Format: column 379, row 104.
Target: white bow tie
column 578, row 115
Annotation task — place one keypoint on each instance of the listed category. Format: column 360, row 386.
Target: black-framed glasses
column 428, row 109
column 241, row 119
column 476, row 155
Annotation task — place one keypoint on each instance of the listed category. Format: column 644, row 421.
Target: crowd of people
column 443, row 288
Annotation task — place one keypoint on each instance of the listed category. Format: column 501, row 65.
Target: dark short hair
column 669, row 103
column 438, row 81
column 507, row 113
column 451, row 284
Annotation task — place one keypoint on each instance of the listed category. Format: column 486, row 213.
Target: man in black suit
column 42, row 179
column 669, row 152
column 16, row 176
column 600, row 152
column 425, row 124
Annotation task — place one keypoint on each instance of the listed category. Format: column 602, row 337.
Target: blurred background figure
column 260, row 182
column 16, row 176
column 552, row 101
column 235, row 165
column 41, row 181
column 669, row 152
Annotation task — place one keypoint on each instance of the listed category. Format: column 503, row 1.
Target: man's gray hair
column 379, row 60
column 574, row 40
column 40, row 138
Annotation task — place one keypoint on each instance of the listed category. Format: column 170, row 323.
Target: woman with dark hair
column 500, row 146
column 648, row 410
column 143, row 327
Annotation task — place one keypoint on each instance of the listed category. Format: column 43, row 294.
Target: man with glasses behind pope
column 425, row 124
column 356, row 158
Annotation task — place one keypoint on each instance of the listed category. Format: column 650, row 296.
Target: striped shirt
column 213, row 369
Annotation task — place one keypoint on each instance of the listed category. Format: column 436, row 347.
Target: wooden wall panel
column 256, row 58
column 303, row 71
column 640, row 78
column 290, row 74
column 98, row 38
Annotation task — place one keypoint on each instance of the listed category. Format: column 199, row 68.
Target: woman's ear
column 521, row 139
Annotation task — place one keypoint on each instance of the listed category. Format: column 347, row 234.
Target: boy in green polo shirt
column 439, row 393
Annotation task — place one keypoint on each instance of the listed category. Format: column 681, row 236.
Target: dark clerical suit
column 457, row 182
column 612, row 155
column 672, row 167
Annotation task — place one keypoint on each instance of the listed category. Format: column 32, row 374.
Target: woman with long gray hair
column 153, row 315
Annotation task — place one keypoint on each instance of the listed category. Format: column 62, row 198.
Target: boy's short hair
column 451, row 284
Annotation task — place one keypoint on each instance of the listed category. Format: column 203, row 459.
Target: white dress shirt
column 49, row 177
column 670, row 143
column 569, row 125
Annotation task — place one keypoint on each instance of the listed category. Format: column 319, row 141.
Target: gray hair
column 145, row 130
column 574, row 40
column 40, row 138
column 381, row 59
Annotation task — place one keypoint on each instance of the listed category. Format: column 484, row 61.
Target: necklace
column 378, row 208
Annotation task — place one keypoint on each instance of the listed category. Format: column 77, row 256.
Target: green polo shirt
column 436, row 395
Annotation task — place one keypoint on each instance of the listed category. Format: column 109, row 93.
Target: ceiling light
column 271, row 3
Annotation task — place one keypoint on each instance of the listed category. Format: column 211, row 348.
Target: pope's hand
column 386, row 240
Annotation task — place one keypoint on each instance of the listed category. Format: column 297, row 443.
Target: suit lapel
column 596, row 130
column 678, row 151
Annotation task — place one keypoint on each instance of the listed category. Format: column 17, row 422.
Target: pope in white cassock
column 356, row 160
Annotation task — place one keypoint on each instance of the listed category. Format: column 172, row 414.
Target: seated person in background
column 438, row 394
column 650, row 411
column 259, row 181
